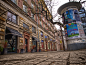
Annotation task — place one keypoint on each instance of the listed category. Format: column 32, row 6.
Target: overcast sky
column 57, row 4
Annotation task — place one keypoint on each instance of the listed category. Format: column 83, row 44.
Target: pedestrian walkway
column 45, row 58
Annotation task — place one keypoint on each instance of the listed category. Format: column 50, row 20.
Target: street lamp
column 38, row 30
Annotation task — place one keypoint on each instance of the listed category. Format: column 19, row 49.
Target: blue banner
column 69, row 17
column 42, row 41
column 45, row 36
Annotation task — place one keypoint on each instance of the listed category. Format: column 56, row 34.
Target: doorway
column 46, row 47
column 34, row 41
column 34, row 46
column 12, row 45
column 26, row 43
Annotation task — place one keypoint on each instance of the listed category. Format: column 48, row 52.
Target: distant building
column 82, row 13
column 58, row 39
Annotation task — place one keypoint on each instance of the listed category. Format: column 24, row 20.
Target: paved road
column 45, row 58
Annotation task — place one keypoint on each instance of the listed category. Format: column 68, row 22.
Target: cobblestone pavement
column 45, row 58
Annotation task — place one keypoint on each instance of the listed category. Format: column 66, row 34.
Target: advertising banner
column 77, row 17
column 81, row 30
column 72, row 30
column 69, row 16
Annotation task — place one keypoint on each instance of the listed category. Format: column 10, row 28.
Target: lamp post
column 38, row 32
column 38, row 29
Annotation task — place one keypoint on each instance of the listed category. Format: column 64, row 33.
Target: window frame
column 25, row 26
column 25, row 8
column 25, row 0
column 32, row 15
column 11, row 19
column 14, row 1
column 42, row 34
column 33, row 29
column 32, row 5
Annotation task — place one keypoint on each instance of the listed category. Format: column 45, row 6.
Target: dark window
column 26, row 0
column 33, row 29
column 48, row 37
column 11, row 17
column 32, row 15
column 26, row 26
column 14, row 1
column 32, row 5
column 24, row 8
column 41, row 34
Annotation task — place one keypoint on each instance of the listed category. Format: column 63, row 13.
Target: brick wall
column 29, row 2
column 20, row 3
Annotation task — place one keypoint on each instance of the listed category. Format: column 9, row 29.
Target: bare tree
column 50, row 4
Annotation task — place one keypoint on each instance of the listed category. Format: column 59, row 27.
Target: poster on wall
column 81, row 30
column 77, row 17
column 72, row 30
column 69, row 16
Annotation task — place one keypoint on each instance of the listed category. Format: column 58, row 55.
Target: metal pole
column 62, row 38
column 38, row 31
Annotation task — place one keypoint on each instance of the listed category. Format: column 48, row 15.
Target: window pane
column 14, row 1
column 14, row 18
column 9, row 16
column 43, row 18
column 32, row 5
column 32, row 15
column 26, row 0
column 40, row 22
column 14, row 21
column 33, row 29
column 26, row 26
column 25, row 8
column 42, row 34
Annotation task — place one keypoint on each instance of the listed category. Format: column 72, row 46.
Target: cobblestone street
column 45, row 58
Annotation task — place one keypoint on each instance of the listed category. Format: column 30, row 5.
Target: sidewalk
column 46, row 58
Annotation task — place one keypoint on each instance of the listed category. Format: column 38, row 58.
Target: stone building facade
column 25, row 26
column 58, row 40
